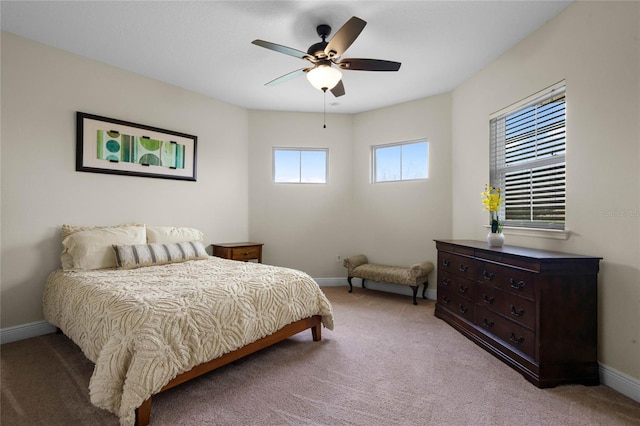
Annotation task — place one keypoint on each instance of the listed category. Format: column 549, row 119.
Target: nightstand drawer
column 238, row 251
column 245, row 253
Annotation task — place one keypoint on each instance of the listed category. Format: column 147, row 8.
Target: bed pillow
column 170, row 234
column 92, row 248
column 139, row 255
column 65, row 257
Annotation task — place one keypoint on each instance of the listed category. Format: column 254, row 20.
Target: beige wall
column 42, row 88
column 303, row 226
column 308, row 226
column 595, row 47
column 396, row 222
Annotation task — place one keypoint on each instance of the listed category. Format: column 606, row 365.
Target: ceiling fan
column 323, row 75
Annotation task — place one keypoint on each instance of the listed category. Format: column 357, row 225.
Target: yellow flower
column 492, row 199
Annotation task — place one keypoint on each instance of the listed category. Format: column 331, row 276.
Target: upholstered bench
column 412, row 276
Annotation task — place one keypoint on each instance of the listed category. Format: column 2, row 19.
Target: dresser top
column 531, row 253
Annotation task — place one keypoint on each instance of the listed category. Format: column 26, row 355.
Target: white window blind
column 527, row 146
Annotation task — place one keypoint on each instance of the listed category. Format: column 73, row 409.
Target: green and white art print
column 116, row 147
column 106, row 145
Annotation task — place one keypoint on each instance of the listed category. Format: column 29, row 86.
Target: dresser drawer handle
column 517, row 285
column 487, row 323
column 463, row 268
column 514, row 339
column 518, row 313
column 463, row 289
column 446, row 300
column 446, row 263
column 488, row 275
column 446, row 281
column 463, row 308
column 488, row 299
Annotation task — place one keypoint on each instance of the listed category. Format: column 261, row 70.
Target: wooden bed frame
column 143, row 413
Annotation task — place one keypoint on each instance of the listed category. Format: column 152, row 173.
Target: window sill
column 554, row 234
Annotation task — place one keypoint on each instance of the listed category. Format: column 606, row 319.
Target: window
column 400, row 161
column 297, row 165
column 527, row 145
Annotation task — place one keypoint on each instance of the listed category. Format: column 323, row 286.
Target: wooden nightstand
column 238, row 251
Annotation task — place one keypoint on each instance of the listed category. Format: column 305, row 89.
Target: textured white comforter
column 143, row 327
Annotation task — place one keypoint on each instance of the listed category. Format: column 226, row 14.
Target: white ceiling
column 205, row 46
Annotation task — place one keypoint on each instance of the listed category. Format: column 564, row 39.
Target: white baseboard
column 25, row 331
column 623, row 383
column 331, row 282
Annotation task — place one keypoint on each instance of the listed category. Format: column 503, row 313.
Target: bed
column 151, row 327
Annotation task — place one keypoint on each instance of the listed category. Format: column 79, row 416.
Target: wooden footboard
column 143, row 413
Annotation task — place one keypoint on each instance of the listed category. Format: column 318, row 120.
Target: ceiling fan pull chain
column 324, row 109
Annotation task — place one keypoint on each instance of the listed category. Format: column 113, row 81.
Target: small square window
column 400, row 161
column 297, row 165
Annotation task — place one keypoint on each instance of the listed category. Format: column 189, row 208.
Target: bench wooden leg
column 415, row 292
column 350, row 286
column 424, row 289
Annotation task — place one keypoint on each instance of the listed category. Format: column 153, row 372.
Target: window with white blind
column 527, row 144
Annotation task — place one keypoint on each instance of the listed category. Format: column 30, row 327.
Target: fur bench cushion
column 417, row 274
column 359, row 267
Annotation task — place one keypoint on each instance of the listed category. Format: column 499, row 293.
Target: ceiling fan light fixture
column 324, row 77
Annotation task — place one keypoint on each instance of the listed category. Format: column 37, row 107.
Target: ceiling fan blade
column 368, row 65
column 287, row 77
column 284, row 49
column 344, row 37
column 338, row 89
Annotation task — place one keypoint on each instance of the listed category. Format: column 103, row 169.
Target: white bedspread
column 143, row 327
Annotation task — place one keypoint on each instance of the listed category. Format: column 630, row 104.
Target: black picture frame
column 112, row 146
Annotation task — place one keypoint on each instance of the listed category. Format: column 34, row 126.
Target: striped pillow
column 139, row 255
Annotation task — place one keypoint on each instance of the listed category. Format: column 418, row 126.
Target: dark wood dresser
column 535, row 310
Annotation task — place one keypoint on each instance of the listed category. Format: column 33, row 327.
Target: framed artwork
column 107, row 145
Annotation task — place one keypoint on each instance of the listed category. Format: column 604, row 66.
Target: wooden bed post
column 316, row 332
column 143, row 413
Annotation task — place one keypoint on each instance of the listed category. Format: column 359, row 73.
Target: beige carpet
column 387, row 362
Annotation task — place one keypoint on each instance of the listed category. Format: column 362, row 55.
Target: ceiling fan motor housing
column 317, row 49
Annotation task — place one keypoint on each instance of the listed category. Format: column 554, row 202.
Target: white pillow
column 171, row 234
column 93, row 249
column 65, row 257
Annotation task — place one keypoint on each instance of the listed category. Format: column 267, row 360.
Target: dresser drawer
column 455, row 264
column 518, row 309
column 458, row 285
column 245, row 253
column 448, row 299
column 513, row 280
column 509, row 332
